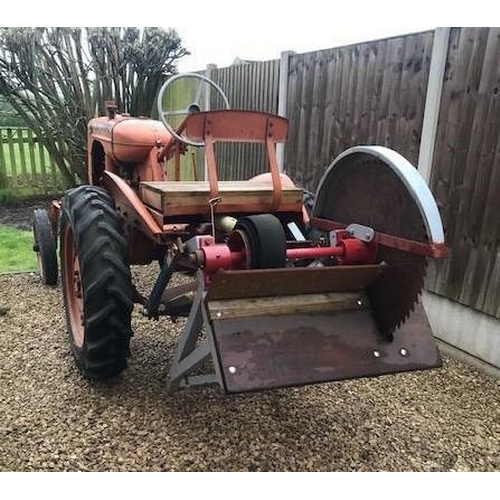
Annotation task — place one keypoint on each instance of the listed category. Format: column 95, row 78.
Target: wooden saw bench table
column 192, row 197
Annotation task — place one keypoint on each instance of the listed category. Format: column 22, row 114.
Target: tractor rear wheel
column 45, row 247
column 97, row 285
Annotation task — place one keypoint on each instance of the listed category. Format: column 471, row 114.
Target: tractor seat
column 192, row 197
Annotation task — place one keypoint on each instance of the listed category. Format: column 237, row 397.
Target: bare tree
column 57, row 79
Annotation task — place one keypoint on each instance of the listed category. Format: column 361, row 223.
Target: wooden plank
column 189, row 198
column 317, row 112
column 12, row 157
column 290, row 156
column 33, row 171
column 363, row 93
column 491, row 304
column 188, row 188
column 380, row 63
column 291, row 304
column 328, row 115
column 3, row 162
column 305, row 175
column 43, row 170
column 22, row 156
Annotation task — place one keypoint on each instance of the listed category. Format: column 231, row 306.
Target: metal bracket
column 189, row 356
column 363, row 233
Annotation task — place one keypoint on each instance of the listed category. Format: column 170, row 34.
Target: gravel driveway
column 52, row 419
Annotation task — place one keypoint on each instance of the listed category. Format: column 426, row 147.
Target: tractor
column 275, row 293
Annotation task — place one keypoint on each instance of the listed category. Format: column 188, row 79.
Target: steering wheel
column 194, row 107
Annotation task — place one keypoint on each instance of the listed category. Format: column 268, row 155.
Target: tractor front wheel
column 45, row 247
column 97, row 286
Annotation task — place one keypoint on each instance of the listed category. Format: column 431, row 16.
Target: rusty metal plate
column 291, row 281
column 279, row 351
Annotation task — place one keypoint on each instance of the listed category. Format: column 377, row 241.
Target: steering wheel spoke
column 194, row 107
column 177, row 112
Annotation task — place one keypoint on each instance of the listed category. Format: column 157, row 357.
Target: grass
column 30, row 180
column 16, row 158
column 16, row 250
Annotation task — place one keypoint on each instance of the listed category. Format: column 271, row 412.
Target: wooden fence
column 370, row 93
column 466, row 171
column 252, row 86
column 25, row 165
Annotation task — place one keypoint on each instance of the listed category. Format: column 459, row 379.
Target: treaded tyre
column 45, row 246
column 97, row 285
column 266, row 240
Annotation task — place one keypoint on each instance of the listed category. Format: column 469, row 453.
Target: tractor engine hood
column 128, row 140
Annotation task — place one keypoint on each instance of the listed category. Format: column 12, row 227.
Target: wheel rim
column 73, row 287
column 39, row 253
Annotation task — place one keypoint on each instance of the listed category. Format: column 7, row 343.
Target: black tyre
column 45, row 247
column 266, row 240
column 97, row 286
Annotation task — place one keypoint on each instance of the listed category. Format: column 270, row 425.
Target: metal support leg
column 188, row 357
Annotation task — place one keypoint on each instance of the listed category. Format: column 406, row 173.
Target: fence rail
column 25, row 165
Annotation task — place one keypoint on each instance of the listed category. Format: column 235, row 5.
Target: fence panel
column 466, row 171
column 252, row 86
column 369, row 93
column 23, row 164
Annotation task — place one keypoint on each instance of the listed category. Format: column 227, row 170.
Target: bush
column 8, row 198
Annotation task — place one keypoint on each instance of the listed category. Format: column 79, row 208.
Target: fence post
column 282, row 100
column 433, row 101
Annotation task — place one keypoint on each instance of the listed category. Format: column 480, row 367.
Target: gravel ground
column 52, row 419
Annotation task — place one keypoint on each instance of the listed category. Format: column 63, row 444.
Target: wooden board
column 190, row 197
column 291, row 304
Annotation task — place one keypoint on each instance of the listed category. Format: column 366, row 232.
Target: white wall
column 465, row 333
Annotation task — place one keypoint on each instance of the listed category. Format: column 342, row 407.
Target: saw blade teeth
column 365, row 190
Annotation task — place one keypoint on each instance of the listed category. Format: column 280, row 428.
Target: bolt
column 403, row 352
column 376, row 354
column 232, row 369
column 360, row 302
column 219, row 314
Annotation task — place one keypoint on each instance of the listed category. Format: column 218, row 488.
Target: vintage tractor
column 275, row 295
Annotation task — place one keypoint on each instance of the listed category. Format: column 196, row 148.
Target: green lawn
column 16, row 250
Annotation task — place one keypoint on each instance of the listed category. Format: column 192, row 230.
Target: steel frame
column 188, row 356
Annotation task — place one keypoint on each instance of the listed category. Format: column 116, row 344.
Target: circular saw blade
column 367, row 191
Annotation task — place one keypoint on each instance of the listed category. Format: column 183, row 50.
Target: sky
column 240, row 41
column 218, row 31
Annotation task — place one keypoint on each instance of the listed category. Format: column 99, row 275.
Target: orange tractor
column 279, row 295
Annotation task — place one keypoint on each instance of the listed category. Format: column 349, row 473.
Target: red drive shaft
column 348, row 251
